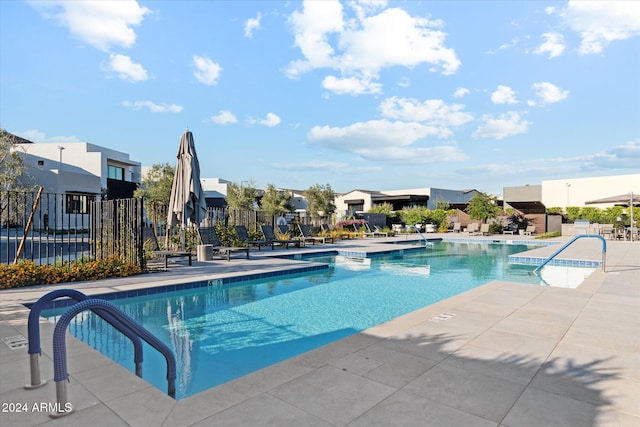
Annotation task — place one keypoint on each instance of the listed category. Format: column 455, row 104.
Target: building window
column 359, row 207
column 115, row 172
column 78, row 203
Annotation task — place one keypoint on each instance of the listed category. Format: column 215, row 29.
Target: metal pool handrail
column 426, row 242
column 604, row 250
column 33, row 327
column 60, row 352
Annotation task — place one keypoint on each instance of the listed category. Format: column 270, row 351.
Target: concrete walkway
column 502, row 354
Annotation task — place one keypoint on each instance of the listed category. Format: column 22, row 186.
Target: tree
column 241, row 198
column 276, row 202
column 483, row 207
column 155, row 189
column 12, row 167
column 320, row 201
column 13, row 177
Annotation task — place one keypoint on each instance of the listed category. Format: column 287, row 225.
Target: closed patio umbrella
column 187, row 205
column 622, row 199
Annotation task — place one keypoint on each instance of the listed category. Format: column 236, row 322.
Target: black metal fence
column 116, row 230
column 54, row 228
column 43, row 227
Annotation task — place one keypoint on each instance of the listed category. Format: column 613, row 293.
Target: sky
column 370, row 95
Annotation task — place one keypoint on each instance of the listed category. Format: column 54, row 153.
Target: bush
column 28, row 273
column 495, row 228
column 548, row 235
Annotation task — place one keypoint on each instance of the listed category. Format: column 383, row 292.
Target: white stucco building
column 577, row 191
column 77, row 172
column 359, row 201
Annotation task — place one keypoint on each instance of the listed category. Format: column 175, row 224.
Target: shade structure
column 627, row 199
column 187, row 205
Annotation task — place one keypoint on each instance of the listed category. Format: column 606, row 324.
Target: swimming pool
column 219, row 333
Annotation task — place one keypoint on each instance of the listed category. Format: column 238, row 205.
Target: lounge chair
column 149, row 237
column 456, row 228
column 531, row 229
column 243, row 235
column 208, row 236
column 307, row 236
column 484, row 230
column 472, row 229
column 270, row 236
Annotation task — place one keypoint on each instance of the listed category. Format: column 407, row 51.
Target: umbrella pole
column 632, row 223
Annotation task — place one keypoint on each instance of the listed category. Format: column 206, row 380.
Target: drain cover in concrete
column 441, row 317
column 15, row 342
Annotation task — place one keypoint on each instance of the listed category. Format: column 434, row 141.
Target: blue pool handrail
column 580, row 236
column 33, row 329
column 60, row 373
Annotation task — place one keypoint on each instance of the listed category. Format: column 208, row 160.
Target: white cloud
column 153, row 107
column 505, row 125
column 460, row 92
column 207, row 72
column 432, row 111
column 504, row 95
column 550, row 93
column 602, row 22
column 271, row 120
column 403, row 82
column 224, row 117
column 252, row 24
column 371, row 135
column 625, row 156
column 350, row 85
column 312, row 27
column 384, row 140
column 100, row 24
column 34, row 135
column 363, row 45
column 553, row 45
column 126, row 69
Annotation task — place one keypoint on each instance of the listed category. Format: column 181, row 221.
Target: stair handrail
column 420, row 233
column 60, row 373
column 580, row 236
column 33, row 329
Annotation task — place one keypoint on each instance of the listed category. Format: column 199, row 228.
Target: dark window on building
column 116, row 173
column 40, row 162
column 359, row 207
column 78, row 203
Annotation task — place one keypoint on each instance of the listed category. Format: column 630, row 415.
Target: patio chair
column 484, row 230
column 456, row 228
column 270, row 236
column 149, row 237
column 208, row 236
column 530, row 230
column 606, row 230
column 243, row 236
column 472, row 229
column 307, row 236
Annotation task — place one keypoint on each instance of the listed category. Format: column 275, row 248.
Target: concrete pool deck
column 501, row 354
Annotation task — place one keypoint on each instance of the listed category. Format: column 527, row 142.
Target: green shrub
column 28, row 273
column 548, row 235
column 495, row 228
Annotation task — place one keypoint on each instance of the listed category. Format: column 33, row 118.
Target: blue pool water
column 222, row 333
